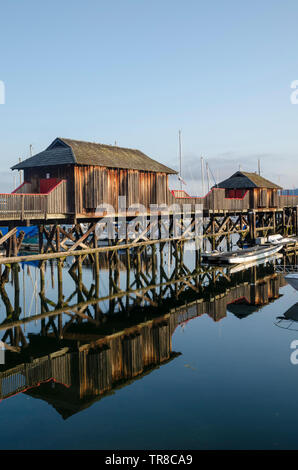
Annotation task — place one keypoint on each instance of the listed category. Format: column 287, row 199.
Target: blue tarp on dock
column 34, row 264
column 30, row 232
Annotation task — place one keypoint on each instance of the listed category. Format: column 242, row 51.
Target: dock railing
column 287, row 201
column 216, row 200
column 21, row 206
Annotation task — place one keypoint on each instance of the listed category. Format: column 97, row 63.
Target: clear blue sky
column 135, row 71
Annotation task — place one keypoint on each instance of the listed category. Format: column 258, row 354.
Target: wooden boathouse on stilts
column 67, row 182
column 85, row 175
column 261, row 192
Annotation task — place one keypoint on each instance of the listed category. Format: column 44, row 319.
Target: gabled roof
column 55, row 156
column 75, row 152
column 245, row 180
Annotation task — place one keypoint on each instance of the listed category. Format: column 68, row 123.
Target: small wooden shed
column 262, row 192
column 96, row 174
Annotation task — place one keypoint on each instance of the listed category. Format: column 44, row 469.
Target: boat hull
column 248, row 256
column 248, row 259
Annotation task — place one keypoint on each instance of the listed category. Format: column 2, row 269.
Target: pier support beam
column 252, row 220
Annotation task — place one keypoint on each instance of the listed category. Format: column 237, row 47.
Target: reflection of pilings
column 179, row 285
column 100, row 364
column 8, row 306
column 104, row 260
column 60, row 295
column 97, row 310
column 42, row 294
column 265, row 289
column 17, row 308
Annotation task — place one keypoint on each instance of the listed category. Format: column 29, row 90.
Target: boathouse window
column 235, row 193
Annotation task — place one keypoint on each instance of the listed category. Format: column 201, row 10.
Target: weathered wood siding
column 101, row 185
column 215, row 200
column 87, row 187
column 57, row 200
column 262, row 198
column 25, row 188
column 254, row 199
column 66, row 172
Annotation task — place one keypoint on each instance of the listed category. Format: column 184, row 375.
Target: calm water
column 232, row 385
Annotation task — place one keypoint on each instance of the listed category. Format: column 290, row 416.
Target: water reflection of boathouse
column 92, row 361
column 81, row 372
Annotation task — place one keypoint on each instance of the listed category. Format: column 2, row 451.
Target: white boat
column 279, row 239
column 243, row 256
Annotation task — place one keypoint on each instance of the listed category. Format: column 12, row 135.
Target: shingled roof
column 245, row 180
column 75, row 152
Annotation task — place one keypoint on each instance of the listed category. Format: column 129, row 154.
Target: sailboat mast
column 180, row 159
column 202, row 173
column 208, row 176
